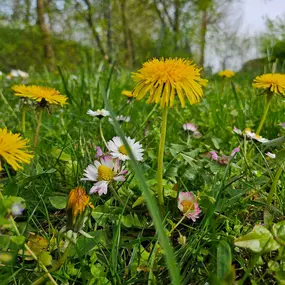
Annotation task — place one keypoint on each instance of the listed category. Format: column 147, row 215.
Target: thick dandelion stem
column 160, row 157
column 268, row 102
column 23, row 120
column 38, row 127
column 273, row 186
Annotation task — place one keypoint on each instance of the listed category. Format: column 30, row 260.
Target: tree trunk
column 176, row 23
column 128, row 43
column 46, row 36
column 203, row 37
column 93, row 30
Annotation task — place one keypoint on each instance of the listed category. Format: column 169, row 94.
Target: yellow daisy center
column 105, row 173
column 122, row 150
column 187, row 206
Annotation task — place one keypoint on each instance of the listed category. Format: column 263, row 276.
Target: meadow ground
column 235, row 236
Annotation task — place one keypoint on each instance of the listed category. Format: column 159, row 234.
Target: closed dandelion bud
column 77, row 206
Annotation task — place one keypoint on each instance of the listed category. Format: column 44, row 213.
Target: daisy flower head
column 226, row 73
column 187, row 203
column 118, row 150
column 13, row 149
column 271, row 155
column 237, row 131
column 40, row 94
column 272, row 82
column 190, row 127
column 251, row 135
column 99, row 113
column 165, row 79
column 104, row 171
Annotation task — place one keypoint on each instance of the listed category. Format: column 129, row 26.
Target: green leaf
column 45, row 258
column 59, row 202
column 138, row 202
column 279, row 231
column 18, row 239
column 259, row 240
column 224, row 259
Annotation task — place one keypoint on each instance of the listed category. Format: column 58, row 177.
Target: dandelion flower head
column 273, row 82
column 77, row 201
column 13, row 149
column 39, row 93
column 227, row 73
column 164, row 79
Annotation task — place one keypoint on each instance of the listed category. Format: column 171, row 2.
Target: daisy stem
column 268, row 102
column 160, row 157
column 23, row 121
column 179, row 222
column 38, row 126
column 101, row 133
column 115, row 194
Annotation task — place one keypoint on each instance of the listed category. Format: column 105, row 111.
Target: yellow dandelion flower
column 274, row 82
column 78, row 200
column 226, row 73
column 127, row 93
column 13, row 149
column 39, row 93
column 166, row 78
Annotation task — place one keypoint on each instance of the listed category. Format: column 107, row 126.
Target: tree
column 46, row 36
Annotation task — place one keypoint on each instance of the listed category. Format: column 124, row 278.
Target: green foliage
column 23, row 49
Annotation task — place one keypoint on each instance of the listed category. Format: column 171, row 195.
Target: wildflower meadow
column 163, row 173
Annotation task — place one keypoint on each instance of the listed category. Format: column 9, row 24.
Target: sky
column 255, row 12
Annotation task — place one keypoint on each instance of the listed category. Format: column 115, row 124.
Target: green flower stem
column 268, row 103
column 179, row 222
column 23, row 120
column 273, row 186
column 117, row 197
column 101, row 132
column 38, row 127
column 160, row 157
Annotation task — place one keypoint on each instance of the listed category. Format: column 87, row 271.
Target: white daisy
column 271, row 155
column 118, row 150
column 22, row 74
column 190, row 127
column 99, row 113
column 104, row 172
column 237, row 131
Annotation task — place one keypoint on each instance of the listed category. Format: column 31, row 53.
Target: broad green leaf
column 45, row 258
column 59, row 202
column 279, row 231
column 224, row 259
column 18, row 239
column 259, row 240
